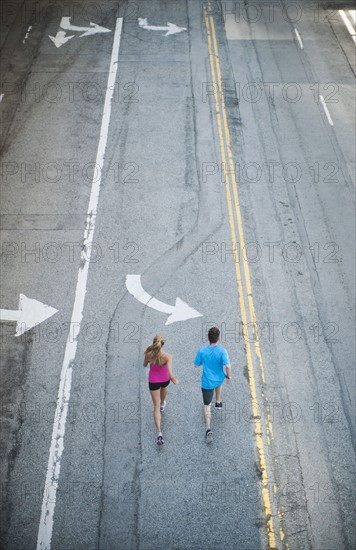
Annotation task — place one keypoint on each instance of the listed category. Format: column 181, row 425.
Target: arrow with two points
column 30, row 313
column 65, row 24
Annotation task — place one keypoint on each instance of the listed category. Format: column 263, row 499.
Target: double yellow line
column 242, row 277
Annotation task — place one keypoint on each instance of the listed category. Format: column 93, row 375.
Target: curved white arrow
column 30, row 313
column 180, row 312
column 171, row 28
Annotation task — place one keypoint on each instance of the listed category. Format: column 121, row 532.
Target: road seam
column 57, row 443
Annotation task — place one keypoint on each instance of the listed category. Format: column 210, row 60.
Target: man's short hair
column 213, row 335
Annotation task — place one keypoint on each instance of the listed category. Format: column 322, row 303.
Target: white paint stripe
column 326, row 110
column 353, row 14
column 57, row 443
column 298, row 37
column 347, row 23
column 27, row 34
column 1, row 96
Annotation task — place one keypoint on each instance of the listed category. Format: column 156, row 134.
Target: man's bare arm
column 228, row 371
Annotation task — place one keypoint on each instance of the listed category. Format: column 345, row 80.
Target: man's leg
column 207, row 399
column 218, row 394
column 207, row 416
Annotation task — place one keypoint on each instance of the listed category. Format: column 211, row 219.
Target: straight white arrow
column 93, row 29
column 171, row 28
column 30, row 313
column 180, row 312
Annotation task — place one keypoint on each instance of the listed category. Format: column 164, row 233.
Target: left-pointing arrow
column 30, row 313
column 60, row 38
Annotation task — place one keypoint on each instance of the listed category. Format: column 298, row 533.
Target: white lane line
column 348, row 25
column 57, row 444
column 1, row 96
column 27, row 34
column 326, row 110
column 298, row 37
column 353, row 14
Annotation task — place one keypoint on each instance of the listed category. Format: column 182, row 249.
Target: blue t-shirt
column 213, row 359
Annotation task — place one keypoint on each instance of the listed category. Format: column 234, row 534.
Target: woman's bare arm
column 145, row 360
column 170, row 368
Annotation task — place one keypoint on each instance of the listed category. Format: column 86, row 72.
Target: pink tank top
column 158, row 373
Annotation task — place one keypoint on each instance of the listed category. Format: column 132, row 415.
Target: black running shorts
column 158, row 385
column 207, row 396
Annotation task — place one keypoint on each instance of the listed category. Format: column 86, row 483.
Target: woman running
column 161, row 373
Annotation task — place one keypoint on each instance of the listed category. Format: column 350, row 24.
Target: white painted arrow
column 60, row 38
column 93, row 29
column 171, row 28
column 30, row 313
column 180, row 312
column 65, row 24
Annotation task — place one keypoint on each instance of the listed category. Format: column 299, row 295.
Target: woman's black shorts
column 158, row 385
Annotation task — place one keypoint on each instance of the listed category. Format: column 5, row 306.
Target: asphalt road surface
column 159, row 152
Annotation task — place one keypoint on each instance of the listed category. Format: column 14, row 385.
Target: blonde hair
column 154, row 351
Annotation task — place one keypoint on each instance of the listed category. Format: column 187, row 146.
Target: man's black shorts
column 207, row 396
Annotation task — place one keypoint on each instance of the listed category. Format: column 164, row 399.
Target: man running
column 216, row 367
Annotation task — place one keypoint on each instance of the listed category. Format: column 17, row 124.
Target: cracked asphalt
column 255, row 83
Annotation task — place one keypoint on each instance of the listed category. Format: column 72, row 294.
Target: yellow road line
column 236, row 199
column 246, row 268
column 226, row 143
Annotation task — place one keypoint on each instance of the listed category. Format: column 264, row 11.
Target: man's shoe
column 209, row 436
column 218, row 405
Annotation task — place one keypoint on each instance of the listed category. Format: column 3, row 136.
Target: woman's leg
column 163, row 394
column 156, row 412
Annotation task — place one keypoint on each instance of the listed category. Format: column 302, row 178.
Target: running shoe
column 159, row 439
column 218, row 405
column 162, row 406
column 209, row 436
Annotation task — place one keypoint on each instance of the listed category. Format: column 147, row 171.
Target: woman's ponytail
column 154, row 350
